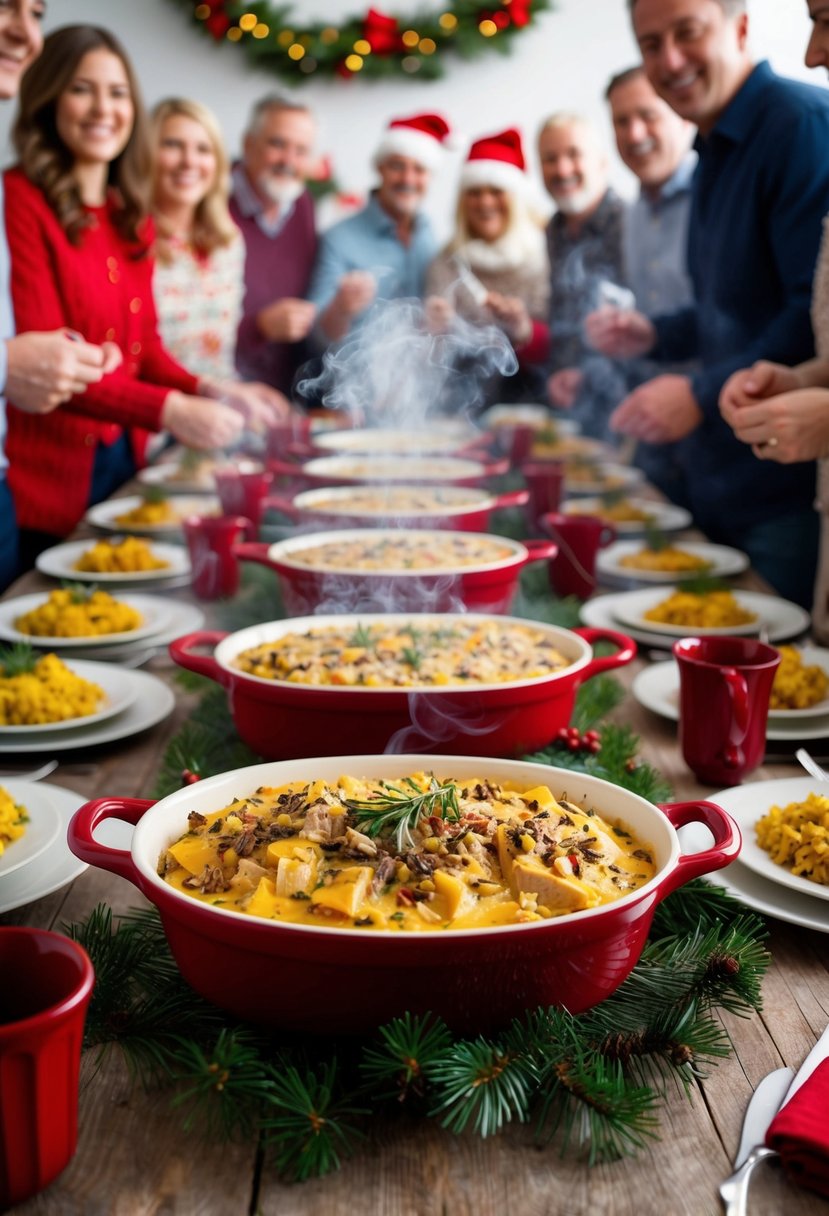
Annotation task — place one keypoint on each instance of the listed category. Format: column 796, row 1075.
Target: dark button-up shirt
column 759, row 196
column 578, row 264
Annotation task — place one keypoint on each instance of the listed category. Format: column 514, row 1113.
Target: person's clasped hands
column 45, row 369
column 770, row 408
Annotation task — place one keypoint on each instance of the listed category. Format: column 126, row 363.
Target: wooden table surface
column 134, row 1159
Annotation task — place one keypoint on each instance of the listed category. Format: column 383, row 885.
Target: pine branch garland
column 410, row 1048
column 481, row 1085
column 309, row 1126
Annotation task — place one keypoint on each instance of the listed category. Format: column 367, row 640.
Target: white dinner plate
column 662, row 515
column 168, row 476
column 747, row 804
column 118, row 694
column 59, row 562
column 768, row 898
column 619, row 476
column 537, row 416
column 41, row 830
column 103, row 514
column 154, row 611
column 811, row 656
column 781, row 618
column 152, row 702
column 721, row 561
column 56, row 866
column 657, row 688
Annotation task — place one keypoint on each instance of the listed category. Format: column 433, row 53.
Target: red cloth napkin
column 800, row 1133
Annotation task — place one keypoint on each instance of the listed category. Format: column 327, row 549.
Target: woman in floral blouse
column 199, row 276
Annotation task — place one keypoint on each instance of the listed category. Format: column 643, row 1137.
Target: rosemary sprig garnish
column 154, row 494
column 17, row 659
column 412, row 656
column 361, row 636
column 81, row 593
column 655, row 539
column 397, row 811
column 704, row 584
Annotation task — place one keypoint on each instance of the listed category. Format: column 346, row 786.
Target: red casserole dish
column 283, row 719
column 389, row 470
column 477, row 587
column 461, row 508
column 313, row 978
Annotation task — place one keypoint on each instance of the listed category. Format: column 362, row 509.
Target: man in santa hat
column 384, row 250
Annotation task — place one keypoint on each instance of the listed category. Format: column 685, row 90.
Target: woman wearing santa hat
column 495, row 270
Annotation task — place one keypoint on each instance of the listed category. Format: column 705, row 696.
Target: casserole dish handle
column 277, row 502
column 513, row 498
column 538, row 550
column 83, row 823
column 253, row 551
column 726, row 846
column 202, row 664
column 625, row 653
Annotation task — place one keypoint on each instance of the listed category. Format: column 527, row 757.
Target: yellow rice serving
column 49, row 692
column 13, row 820
column 797, row 685
column 127, row 555
column 796, row 836
column 670, row 560
column 708, row 610
column 153, row 513
column 72, row 614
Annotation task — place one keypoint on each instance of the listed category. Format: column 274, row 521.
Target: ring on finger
column 771, row 442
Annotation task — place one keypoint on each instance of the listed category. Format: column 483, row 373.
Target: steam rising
column 391, row 371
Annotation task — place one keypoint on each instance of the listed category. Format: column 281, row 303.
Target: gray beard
column 281, row 190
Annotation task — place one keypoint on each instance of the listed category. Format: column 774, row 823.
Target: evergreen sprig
column 221, row 1088
column 309, row 1126
column 409, row 1048
column 481, row 1085
column 397, row 812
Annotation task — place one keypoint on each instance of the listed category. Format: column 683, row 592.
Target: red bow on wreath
column 382, row 33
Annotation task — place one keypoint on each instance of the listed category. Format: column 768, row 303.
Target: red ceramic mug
column 242, row 492
column 579, row 538
column 724, row 690
column 215, row 567
column 545, row 482
column 45, row 992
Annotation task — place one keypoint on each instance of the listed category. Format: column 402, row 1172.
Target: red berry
column 563, row 734
column 189, row 777
column 574, row 745
column 574, row 732
column 594, row 746
column 591, row 736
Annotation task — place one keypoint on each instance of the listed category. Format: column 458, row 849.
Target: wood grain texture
column 133, row 1159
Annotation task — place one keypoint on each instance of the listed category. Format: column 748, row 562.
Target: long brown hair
column 47, row 161
column 213, row 227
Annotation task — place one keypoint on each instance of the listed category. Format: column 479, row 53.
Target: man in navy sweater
column 760, row 194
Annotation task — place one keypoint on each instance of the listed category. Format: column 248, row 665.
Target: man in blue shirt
column 385, row 249
column 38, row 371
column 654, row 142
column 759, row 196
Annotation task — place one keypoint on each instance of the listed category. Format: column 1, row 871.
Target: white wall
column 563, row 61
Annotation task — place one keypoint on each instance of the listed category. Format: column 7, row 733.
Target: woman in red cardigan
column 79, row 237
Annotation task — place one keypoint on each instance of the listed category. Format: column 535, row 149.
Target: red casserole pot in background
column 280, row 719
column 460, row 508
column 477, row 587
column 389, row 470
column 328, row 981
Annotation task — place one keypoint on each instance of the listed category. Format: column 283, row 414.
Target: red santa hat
column 496, row 160
column 423, row 137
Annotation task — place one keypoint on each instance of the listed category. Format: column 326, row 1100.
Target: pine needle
column 308, row 1129
column 481, row 1085
column 409, row 1047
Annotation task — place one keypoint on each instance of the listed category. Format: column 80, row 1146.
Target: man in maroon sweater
column 275, row 213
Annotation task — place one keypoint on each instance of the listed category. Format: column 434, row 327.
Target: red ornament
column 520, row 12
column 382, row 33
column 217, row 25
column 501, row 19
column 188, row 777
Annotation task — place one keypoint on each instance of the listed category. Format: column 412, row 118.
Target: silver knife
column 765, row 1102
column 758, row 1117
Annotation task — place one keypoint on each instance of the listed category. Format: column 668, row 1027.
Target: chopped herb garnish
column 397, row 811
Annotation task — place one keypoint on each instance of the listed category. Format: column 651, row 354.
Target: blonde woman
column 495, row 268
column 200, row 257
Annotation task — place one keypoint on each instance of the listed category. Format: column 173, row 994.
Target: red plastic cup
column 47, row 983
column 724, row 691
column 215, row 567
column 545, row 481
column 579, row 538
column 242, row 492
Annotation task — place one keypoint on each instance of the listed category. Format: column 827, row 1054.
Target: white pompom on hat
column 497, row 160
column 423, row 137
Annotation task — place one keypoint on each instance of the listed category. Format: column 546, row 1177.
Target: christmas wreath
column 372, row 43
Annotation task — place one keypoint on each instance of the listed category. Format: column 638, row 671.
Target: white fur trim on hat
column 498, row 173
column 405, row 141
